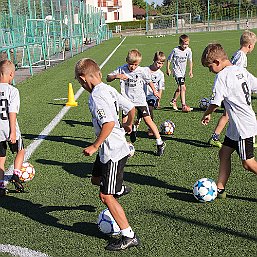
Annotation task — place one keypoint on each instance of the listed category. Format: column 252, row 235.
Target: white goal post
column 170, row 21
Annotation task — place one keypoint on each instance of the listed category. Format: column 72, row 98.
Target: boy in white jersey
column 179, row 57
column 9, row 128
column 104, row 104
column 239, row 58
column 132, row 80
column 233, row 85
column 157, row 78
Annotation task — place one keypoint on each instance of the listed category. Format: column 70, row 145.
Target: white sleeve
column 218, row 91
column 125, row 104
column 115, row 72
column 190, row 56
column 170, row 56
column 14, row 104
column 162, row 82
column 253, row 82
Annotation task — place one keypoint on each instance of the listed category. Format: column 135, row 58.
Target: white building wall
column 125, row 11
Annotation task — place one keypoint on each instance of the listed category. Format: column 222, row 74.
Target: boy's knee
column 95, row 181
column 105, row 198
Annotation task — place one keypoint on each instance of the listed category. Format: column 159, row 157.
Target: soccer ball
column 205, row 190
column 167, row 127
column 27, row 172
column 107, row 224
column 204, row 103
column 131, row 149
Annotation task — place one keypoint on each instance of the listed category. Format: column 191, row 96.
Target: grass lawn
column 57, row 214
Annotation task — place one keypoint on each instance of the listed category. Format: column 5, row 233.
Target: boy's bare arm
column 207, row 115
column 168, row 72
column 191, row 69
column 105, row 132
column 110, row 78
column 12, row 120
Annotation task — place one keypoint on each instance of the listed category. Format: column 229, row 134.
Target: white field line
column 20, row 251
column 38, row 140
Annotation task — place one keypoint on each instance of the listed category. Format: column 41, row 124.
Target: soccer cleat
column 221, row 194
column 213, row 142
column 17, row 183
column 123, row 243
column 133, row 134
column 186, row 108
column 173, row 103
column 124, row 191
column 3, row 191
column 160, row 149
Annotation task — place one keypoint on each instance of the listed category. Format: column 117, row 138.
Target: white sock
column 159, row 141
column 128, row 232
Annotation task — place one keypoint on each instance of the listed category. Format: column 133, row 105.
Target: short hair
column 213, row 52
column 86, row 66
column 6, row 66
column 133, row 56
column 182, row 38
column 248, row 37
column 159, row 56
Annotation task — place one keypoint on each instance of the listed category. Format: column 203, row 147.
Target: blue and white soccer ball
column 205, row 190
column 204, row 103
column 107, row 224
column 131, row 149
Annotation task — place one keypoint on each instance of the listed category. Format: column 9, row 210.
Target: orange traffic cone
column 71, row 98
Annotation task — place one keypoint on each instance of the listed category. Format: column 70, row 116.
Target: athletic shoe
column 133, row 134
column 124, row 191
column 173, row 103
column 3, row 191
column 213, row 142
column 186, row 108
column 160, row 149
column 17, row 183
column 123, row 243
column 221, row 194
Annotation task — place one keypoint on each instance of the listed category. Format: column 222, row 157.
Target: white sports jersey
column 234, row 85
column 9, row 102
column 239, row 58
column 104, row 104
column 157, row 78
column 179, row 59
column 133, row 87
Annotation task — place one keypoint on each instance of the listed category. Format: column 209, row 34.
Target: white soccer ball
column 131, row 149
column 27, row 172
column 204, row 103
column 205, row 190
column 107, row 224
column 167, row 127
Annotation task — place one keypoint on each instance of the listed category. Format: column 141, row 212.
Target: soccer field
column 57, row 214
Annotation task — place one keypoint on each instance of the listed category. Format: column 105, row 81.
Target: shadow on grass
column 196, row 143
column 78, row 141
column 42, row 214
column 186, row 197
column 72, row 123
column 151, row 181
column 216, row 228
column 80, row 169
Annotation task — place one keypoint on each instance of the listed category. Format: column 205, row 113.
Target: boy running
column 132, row 79
column 104, row 104
column 233, row 85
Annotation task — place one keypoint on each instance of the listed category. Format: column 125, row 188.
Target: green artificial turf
column 57, row 214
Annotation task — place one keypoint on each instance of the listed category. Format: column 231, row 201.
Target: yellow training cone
column 71, row 98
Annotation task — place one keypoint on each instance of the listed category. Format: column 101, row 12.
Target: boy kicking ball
column 233, row 85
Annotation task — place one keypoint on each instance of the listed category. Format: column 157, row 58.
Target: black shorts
column 15, row 148
column 243, row 147
column 111, row 175
column 142, row 111
column 153, row 102
column 180, row 81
